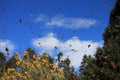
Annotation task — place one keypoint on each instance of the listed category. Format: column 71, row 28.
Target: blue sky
column 25, row 23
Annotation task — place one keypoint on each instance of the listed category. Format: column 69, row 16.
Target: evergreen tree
column 86, row 68
column 31, row 54
column 59, row 60
column 2, row 63
column 47, row 57
column 69, row 72
column 11, row 63
column 107, row 59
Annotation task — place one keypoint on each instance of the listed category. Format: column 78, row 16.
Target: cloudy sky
column 73, row 27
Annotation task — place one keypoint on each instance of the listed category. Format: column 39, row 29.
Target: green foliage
column 31, row 68
column 30, row 56
column 106, row 63
column 47, row 57
column 2, row 63
column 11, row 63
column 35, row 67
column 64, row 64
column 86, row 72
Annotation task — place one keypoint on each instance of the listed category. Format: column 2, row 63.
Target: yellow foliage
column 26, row 53
column 34, row 56
column 44, row 61
column 12, row 77
column 18, row 75
column 61, row 73
column 10, row 70
column 34, row 70
column 25, row 72
column 53, row 67
column 18, row 63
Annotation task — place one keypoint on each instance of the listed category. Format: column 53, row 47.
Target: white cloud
column 74, row 48
column 40, row 18
column 67, row 22
column 57, row 21
column 78, row 49
column 6, row 44
column 47, row 43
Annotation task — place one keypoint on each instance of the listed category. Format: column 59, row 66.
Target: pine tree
column 107, row 59
column 59, row 60
column 11, row 62
column 2, row 63
column 64, row 64
column 46, row 57
column 31, row 53
column 86, row 68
